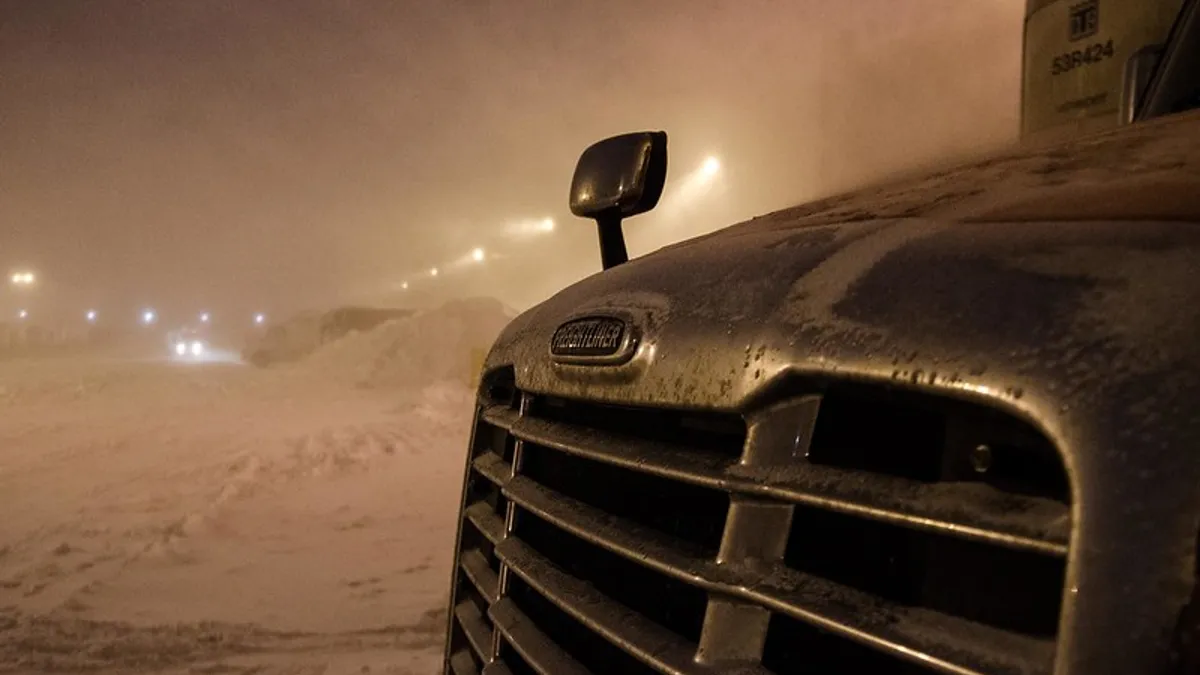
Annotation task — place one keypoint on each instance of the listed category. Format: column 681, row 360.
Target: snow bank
column 287, row 341
column 446, row 344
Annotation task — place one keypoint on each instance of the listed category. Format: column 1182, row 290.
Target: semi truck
column 1087, row 64
column 946, row 425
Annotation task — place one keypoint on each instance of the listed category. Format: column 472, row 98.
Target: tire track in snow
column 41, row 644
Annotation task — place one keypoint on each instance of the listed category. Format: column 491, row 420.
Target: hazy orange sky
column 288, row 153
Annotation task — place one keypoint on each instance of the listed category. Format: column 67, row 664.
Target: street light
column 23, row 278
column 91, row 316
column 433, row 272
column 204, row 317
column 711, row 166
column 404, row 285
column 23, row 314
column 477, row 255
column 149, row 317
column 530, row 227
column 260, row 319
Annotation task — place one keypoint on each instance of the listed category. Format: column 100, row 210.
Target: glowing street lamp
column 477, row 255
column 433, row 272
column 91, row 316
column 404, row 285
column 204, row 317
column 260, row 319
column 23, row 278
column 23, row 314
column 524, row 229
column 149, row 316
column 711, row 166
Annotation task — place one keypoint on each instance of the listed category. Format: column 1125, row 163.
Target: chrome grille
column 846, row 531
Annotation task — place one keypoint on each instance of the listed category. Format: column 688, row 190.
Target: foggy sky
column 278, row 154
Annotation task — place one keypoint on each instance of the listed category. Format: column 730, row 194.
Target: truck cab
column 945, row 425
column 1087, row 64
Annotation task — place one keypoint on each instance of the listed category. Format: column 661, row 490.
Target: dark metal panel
column 461, row 663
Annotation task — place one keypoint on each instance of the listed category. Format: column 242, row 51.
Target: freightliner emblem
column 593, row 339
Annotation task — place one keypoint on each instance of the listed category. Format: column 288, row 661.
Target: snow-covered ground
column 160, row 517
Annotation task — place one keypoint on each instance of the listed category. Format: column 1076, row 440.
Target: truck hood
column 1057, row 284
column 1069, row 267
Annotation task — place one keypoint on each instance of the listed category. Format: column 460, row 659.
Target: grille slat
column 662, row 459
column 479, row 636
column 650, row 643
column 492, row 467
column 462, row 663
column 937, row 641
column 631, row 540
column 475, row 565
column 538, row 650
column 484, row 518
column 940, row 642
column 500, row 416
column 967, row 510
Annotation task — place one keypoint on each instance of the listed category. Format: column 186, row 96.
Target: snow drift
column 441, row 345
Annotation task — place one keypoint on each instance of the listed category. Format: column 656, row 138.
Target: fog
column 246, row 156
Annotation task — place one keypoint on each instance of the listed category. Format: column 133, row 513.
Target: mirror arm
column 612, row 241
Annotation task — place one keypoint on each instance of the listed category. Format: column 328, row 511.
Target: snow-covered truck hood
column 1022, row 278
column 1057, row 283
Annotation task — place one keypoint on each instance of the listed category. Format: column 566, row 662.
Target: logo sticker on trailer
column 1084, row 20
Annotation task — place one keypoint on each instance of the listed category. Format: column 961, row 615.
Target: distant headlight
column 181, row 348
column 197, row 348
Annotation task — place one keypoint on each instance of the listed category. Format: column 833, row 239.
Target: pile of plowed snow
column 286, row 342
column 431, row 346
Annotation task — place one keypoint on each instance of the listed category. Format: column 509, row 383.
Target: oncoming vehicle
column 946, row 425
column 187, row 343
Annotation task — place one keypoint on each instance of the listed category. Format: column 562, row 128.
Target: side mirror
column 617, row 178
column 1138, row 71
